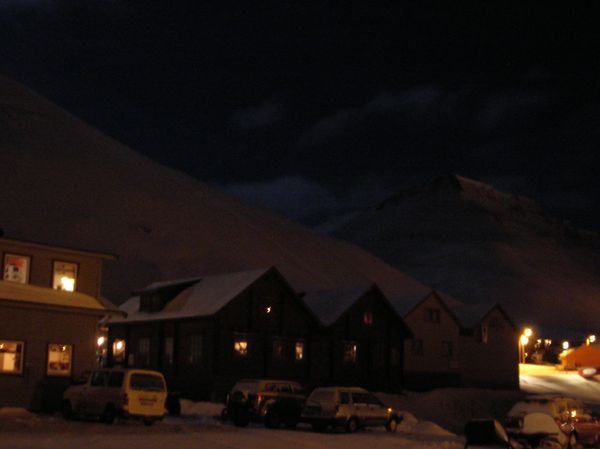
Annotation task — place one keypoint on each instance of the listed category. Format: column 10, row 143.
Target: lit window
column 299, row 350
column 144, row 351
column 118, row 350
column 65, row 276
column 240, row 347
column 350, row 350
column 16, row 268
column 11, row 357
column 60, row 358
column 484, row 333
column 194, row 354
column 368, row 318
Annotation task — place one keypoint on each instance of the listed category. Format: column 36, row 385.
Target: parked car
column 541, row 431
column 274, row 402
column 350, row 407
column 571, row 415
column 488, row 434
column 111, row 393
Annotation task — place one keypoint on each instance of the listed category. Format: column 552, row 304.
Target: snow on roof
column 329, row 305
column 25, row 293
column 170, row 283
column 205, row 298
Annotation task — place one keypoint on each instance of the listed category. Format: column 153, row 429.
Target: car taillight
column 125, row 399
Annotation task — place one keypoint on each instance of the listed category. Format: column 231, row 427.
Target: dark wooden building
column 360, row 341
column 206, row 333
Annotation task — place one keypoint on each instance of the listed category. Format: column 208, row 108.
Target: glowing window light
column 241, row 347
column 299, row 350
column 67, row 284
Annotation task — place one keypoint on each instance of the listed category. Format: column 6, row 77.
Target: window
column 447, row 349
column 16, row 268
column 144, row 351
column 432, row 315
column 64, row 276
column 368, row 318
column 299, row 351
column 60, row 360
column 115, row 378
column 344, row 397
column 417, row 346
column 350, row 349
column 194, row 352
column 240, row 347
column 118, row 350
column 279, row 352
column 484, row 333
column 169, row 350
column 11, row 357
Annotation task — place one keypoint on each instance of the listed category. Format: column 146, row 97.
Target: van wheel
column 392, row 425
column 352, row 425
column 109, row 414
column 272, row 419
column 67, row 410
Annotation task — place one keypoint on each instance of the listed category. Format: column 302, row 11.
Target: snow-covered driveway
column 47, row 432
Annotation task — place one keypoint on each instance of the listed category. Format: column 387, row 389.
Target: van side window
column 98, row 379
column 115, row 379
column 344, row 397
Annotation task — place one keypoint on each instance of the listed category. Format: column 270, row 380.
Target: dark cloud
column 265, row 114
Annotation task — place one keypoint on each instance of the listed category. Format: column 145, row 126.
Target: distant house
column 50, row 306
column 361, row 339
column 206, row 333
column 581, row 356
column 456, row 344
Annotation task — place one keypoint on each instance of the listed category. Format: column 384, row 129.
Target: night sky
column 318, row 109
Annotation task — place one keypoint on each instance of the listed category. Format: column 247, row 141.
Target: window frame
column 28, row 272
column 58, row 372
column 21, row 370
column 53, row 274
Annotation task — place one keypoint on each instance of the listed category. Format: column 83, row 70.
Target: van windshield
column 147, row 382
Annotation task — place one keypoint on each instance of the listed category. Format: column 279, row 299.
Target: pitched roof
column 204, row 298
column 329, row 305
column 32, row 294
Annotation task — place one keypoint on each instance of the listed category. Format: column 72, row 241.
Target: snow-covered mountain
column 481, row 245
column 64, row 183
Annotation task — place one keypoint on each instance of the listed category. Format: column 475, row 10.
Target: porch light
column 101, row 340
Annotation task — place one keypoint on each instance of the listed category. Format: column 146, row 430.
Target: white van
column 350, row 407
column 115, row 392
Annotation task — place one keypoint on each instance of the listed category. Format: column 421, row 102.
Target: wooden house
column 361, row 339
column 206, row 333
column 457, row 344
column 50, row 306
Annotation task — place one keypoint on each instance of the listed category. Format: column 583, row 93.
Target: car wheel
column 352, row 425
column 272, row 419
column 241, row 417
column 67, row 410
column 109, row 414
column 392, row 425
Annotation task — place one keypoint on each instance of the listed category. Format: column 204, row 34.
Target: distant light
column 527, row 332
column 101, row 341
column 592, row 338
column 565, row 345
column 268, row 309
column 524, row 340
column 547, row 342
column 119, row 345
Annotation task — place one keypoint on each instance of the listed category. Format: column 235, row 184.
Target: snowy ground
column 432, row 420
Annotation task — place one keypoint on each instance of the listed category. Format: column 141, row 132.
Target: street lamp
column 565, row 345
column 522, row 344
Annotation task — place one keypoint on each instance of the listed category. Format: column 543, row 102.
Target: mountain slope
column 477, row 244
column 64, row 183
